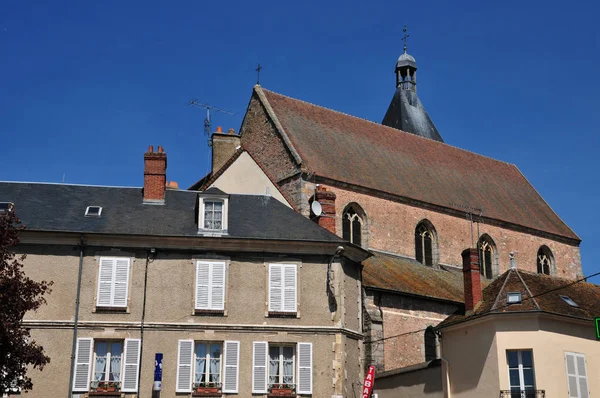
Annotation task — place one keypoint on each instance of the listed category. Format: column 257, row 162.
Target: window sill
column 278, row 314
column 107, row 310
column 210, row 312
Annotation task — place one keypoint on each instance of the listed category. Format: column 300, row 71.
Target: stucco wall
column 418, row 383
column 484, row 372
column 245, row 177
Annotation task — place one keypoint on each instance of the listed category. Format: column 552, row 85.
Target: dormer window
column 569, row 301
column 93, row 211
column 513, row 298
column 212, row 217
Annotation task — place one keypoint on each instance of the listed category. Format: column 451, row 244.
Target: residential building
column 241, row 294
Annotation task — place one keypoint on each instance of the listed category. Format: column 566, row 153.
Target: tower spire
column 404, row 38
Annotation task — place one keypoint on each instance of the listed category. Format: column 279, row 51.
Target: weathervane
column 404, row 38
column 258, row 69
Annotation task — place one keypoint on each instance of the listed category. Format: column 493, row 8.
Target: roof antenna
column 198, row 104
column 64, row 175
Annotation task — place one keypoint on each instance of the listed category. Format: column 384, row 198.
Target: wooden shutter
column 105, row 282
column 418, row 247
column 83, row 364
column 202, row 285
column 259, row 367
column 289, row 288
column 217, row 286
column 576, row 375
column 185, row 360
column 131, row 365
column 275, row 287
column 304, row 383
column 121, row 282
column 231, row 368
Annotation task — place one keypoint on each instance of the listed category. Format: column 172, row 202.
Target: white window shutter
column 202, row 285
column 217, row 286
column 289, row 288
column 304, row 383
column 185, row 359
column 259, row 367
column 231, row 369
column 275, row 287
column 105, row 282
column 576, row 375
column 121, row 282
column 83, row 364
column 131, row 365
column 582, row 373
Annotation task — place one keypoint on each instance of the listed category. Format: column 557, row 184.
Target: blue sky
column 86, row 86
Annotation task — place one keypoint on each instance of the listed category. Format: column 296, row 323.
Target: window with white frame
column 112, row 364
column 280, row 365
column 520, row 372
column 113, row 282
column 283, row 288
column 576, row 375
column 210, row 285
column 213, row 214
column 208, row 365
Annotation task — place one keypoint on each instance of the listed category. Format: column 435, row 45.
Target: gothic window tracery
column 352, row 224
column 487, row 256
column 545, row 261
column 426, row 244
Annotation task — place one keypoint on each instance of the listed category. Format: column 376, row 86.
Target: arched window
column 425, row 243
column 545, row 261
column 352, row 224
column 487, row 256
column 430, row 344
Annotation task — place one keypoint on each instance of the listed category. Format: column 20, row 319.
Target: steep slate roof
column 406, row 276
column 539, row 292
column 406, row 113
column 359, row 152
column 61, row 208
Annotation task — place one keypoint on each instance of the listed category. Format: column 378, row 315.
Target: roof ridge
column 391, row 128
column 494, row 306
column 528, row 291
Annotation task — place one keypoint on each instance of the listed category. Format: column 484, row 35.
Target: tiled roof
column 540, row 293
column 406, row 276
column 367, row 154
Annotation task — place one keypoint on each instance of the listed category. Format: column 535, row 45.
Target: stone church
column 414, row 201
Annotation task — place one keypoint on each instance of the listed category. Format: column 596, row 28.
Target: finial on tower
column 404, row 38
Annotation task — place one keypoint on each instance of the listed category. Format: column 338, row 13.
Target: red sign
column 369, row 382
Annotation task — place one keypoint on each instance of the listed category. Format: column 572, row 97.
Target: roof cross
column 258, row 69
column 404, row 38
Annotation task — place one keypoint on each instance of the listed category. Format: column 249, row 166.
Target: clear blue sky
column 86, row 86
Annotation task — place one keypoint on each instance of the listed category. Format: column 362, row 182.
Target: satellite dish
column 316, row 208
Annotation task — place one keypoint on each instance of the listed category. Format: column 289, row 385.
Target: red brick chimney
column 155, row 175
column 472, row 278
column 327, row 200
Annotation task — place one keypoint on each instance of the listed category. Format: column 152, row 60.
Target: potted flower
column 105, row 386
column 282, row 390
column 207, row 388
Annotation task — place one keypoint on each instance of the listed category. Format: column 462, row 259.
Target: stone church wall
column 391, row 227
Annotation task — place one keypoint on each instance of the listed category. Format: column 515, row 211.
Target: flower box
column 281, row 392
column 207, row 390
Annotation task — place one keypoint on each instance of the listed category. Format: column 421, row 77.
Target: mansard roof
column 406, row 167
column 61, row 208
column 539, row 293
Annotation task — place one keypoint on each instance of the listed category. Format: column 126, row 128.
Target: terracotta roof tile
column 356, row 151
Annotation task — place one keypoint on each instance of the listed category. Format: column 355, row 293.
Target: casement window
column 281, row 366
column 113, row 282
column 520, row 372
column 210, row 285
column 109, row 363
column 208, row 364
column 213, row 214
column 576, row 375
column 283, row 288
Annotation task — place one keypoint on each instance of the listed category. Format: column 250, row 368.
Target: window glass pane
column 514, row 378
column 218, row 206
column 527, row 359
column 528, row 377
column 288, row 365
column 513, row 359
column 200, row 373
column 288, row 353
column 101, row 348
column 273, row 365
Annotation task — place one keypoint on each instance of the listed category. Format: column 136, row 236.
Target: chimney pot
column 219, row 129
column 151, row 148
column 231, row 131
column 160, row 149
column 472, row 278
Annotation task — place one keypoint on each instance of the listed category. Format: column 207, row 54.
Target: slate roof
column 363, row 153
column 406, row 276
column 406, row 113
column 539, row 292
column 61, row 207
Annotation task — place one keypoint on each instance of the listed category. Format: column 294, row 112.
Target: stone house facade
column 240, row 294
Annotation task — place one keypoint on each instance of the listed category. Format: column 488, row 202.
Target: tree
column 18, row 294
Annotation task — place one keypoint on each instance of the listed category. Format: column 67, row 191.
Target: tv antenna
column 198, row 104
